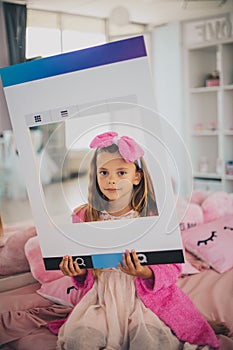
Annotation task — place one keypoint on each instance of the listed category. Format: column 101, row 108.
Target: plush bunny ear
column 35, row 259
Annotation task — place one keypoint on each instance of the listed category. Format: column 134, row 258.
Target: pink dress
column 117, row 323
column 115, row 313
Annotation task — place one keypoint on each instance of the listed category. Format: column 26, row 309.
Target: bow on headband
column 128, row 148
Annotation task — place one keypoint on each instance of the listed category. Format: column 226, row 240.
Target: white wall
column 167, row 72
column 168, row 83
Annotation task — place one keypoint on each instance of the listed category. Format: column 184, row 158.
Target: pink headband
column 128, row 148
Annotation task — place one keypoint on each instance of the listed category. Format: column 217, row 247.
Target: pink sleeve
column 79, row 217
column 164, row 276
column 86, row 283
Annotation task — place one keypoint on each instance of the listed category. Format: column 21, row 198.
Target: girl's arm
column 151, row 278
column 84, row 282
column 164, row 276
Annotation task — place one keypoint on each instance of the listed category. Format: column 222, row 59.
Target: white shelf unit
column 209, row 111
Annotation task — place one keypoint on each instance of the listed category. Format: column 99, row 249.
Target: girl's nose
column 111, row 180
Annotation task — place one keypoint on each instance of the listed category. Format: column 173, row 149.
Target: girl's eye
column 122, row 173
column 103, row 172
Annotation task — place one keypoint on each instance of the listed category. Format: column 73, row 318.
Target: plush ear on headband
column 128, row 148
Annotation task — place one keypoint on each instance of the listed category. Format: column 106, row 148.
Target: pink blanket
column 212, row 294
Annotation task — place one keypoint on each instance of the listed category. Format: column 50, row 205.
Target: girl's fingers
column 124, row 265
column 68, row 267
column 127, row 265
column 129, row 262
column 78, row 270
column 136, row 261
column 71, row 267
column 126, row 260
column 64, row 265
column 132, row 266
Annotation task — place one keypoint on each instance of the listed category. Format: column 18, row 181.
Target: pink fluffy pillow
column 198, row 196
column 35, row 259
column 12, row 255
column 217, row 205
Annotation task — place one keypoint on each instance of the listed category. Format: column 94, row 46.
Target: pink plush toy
column 34, row 256
column 217, row 205
column 188, row 214
column 54, row 285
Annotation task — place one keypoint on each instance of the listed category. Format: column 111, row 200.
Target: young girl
column 131, row 307
column 119, row 179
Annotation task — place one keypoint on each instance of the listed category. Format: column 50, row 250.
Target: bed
column 207, row 278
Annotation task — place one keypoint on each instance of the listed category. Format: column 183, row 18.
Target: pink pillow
column 35, row 259
column 198, row 196
column 188, row 269
column 216, row 206
column 12, row 255
column 212, row 242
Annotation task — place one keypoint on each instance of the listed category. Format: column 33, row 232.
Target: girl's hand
column 133, row 266
column 71, row 268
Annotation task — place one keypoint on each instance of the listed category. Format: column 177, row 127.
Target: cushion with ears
column 35, row 260
column 54, row 285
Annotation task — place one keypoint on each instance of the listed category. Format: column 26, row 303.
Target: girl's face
column 116, row 177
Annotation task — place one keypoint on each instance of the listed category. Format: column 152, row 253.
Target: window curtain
column 5, row 123
column 15, row 21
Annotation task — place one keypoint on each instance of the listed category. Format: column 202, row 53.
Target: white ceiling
column 153, row 12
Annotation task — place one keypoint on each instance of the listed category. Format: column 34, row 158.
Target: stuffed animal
column 54, row 285
column 188, row 214
column 35, row 259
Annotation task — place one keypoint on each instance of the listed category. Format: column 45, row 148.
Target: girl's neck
column 115, row 212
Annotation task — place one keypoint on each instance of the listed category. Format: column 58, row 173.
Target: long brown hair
column 143, row 198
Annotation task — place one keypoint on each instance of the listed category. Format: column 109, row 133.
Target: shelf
column 228, row 177
column 207, row 176
column 228, row 87
column 209, row 107
column 202, row 89
column 205, row 133
column 228, row 132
